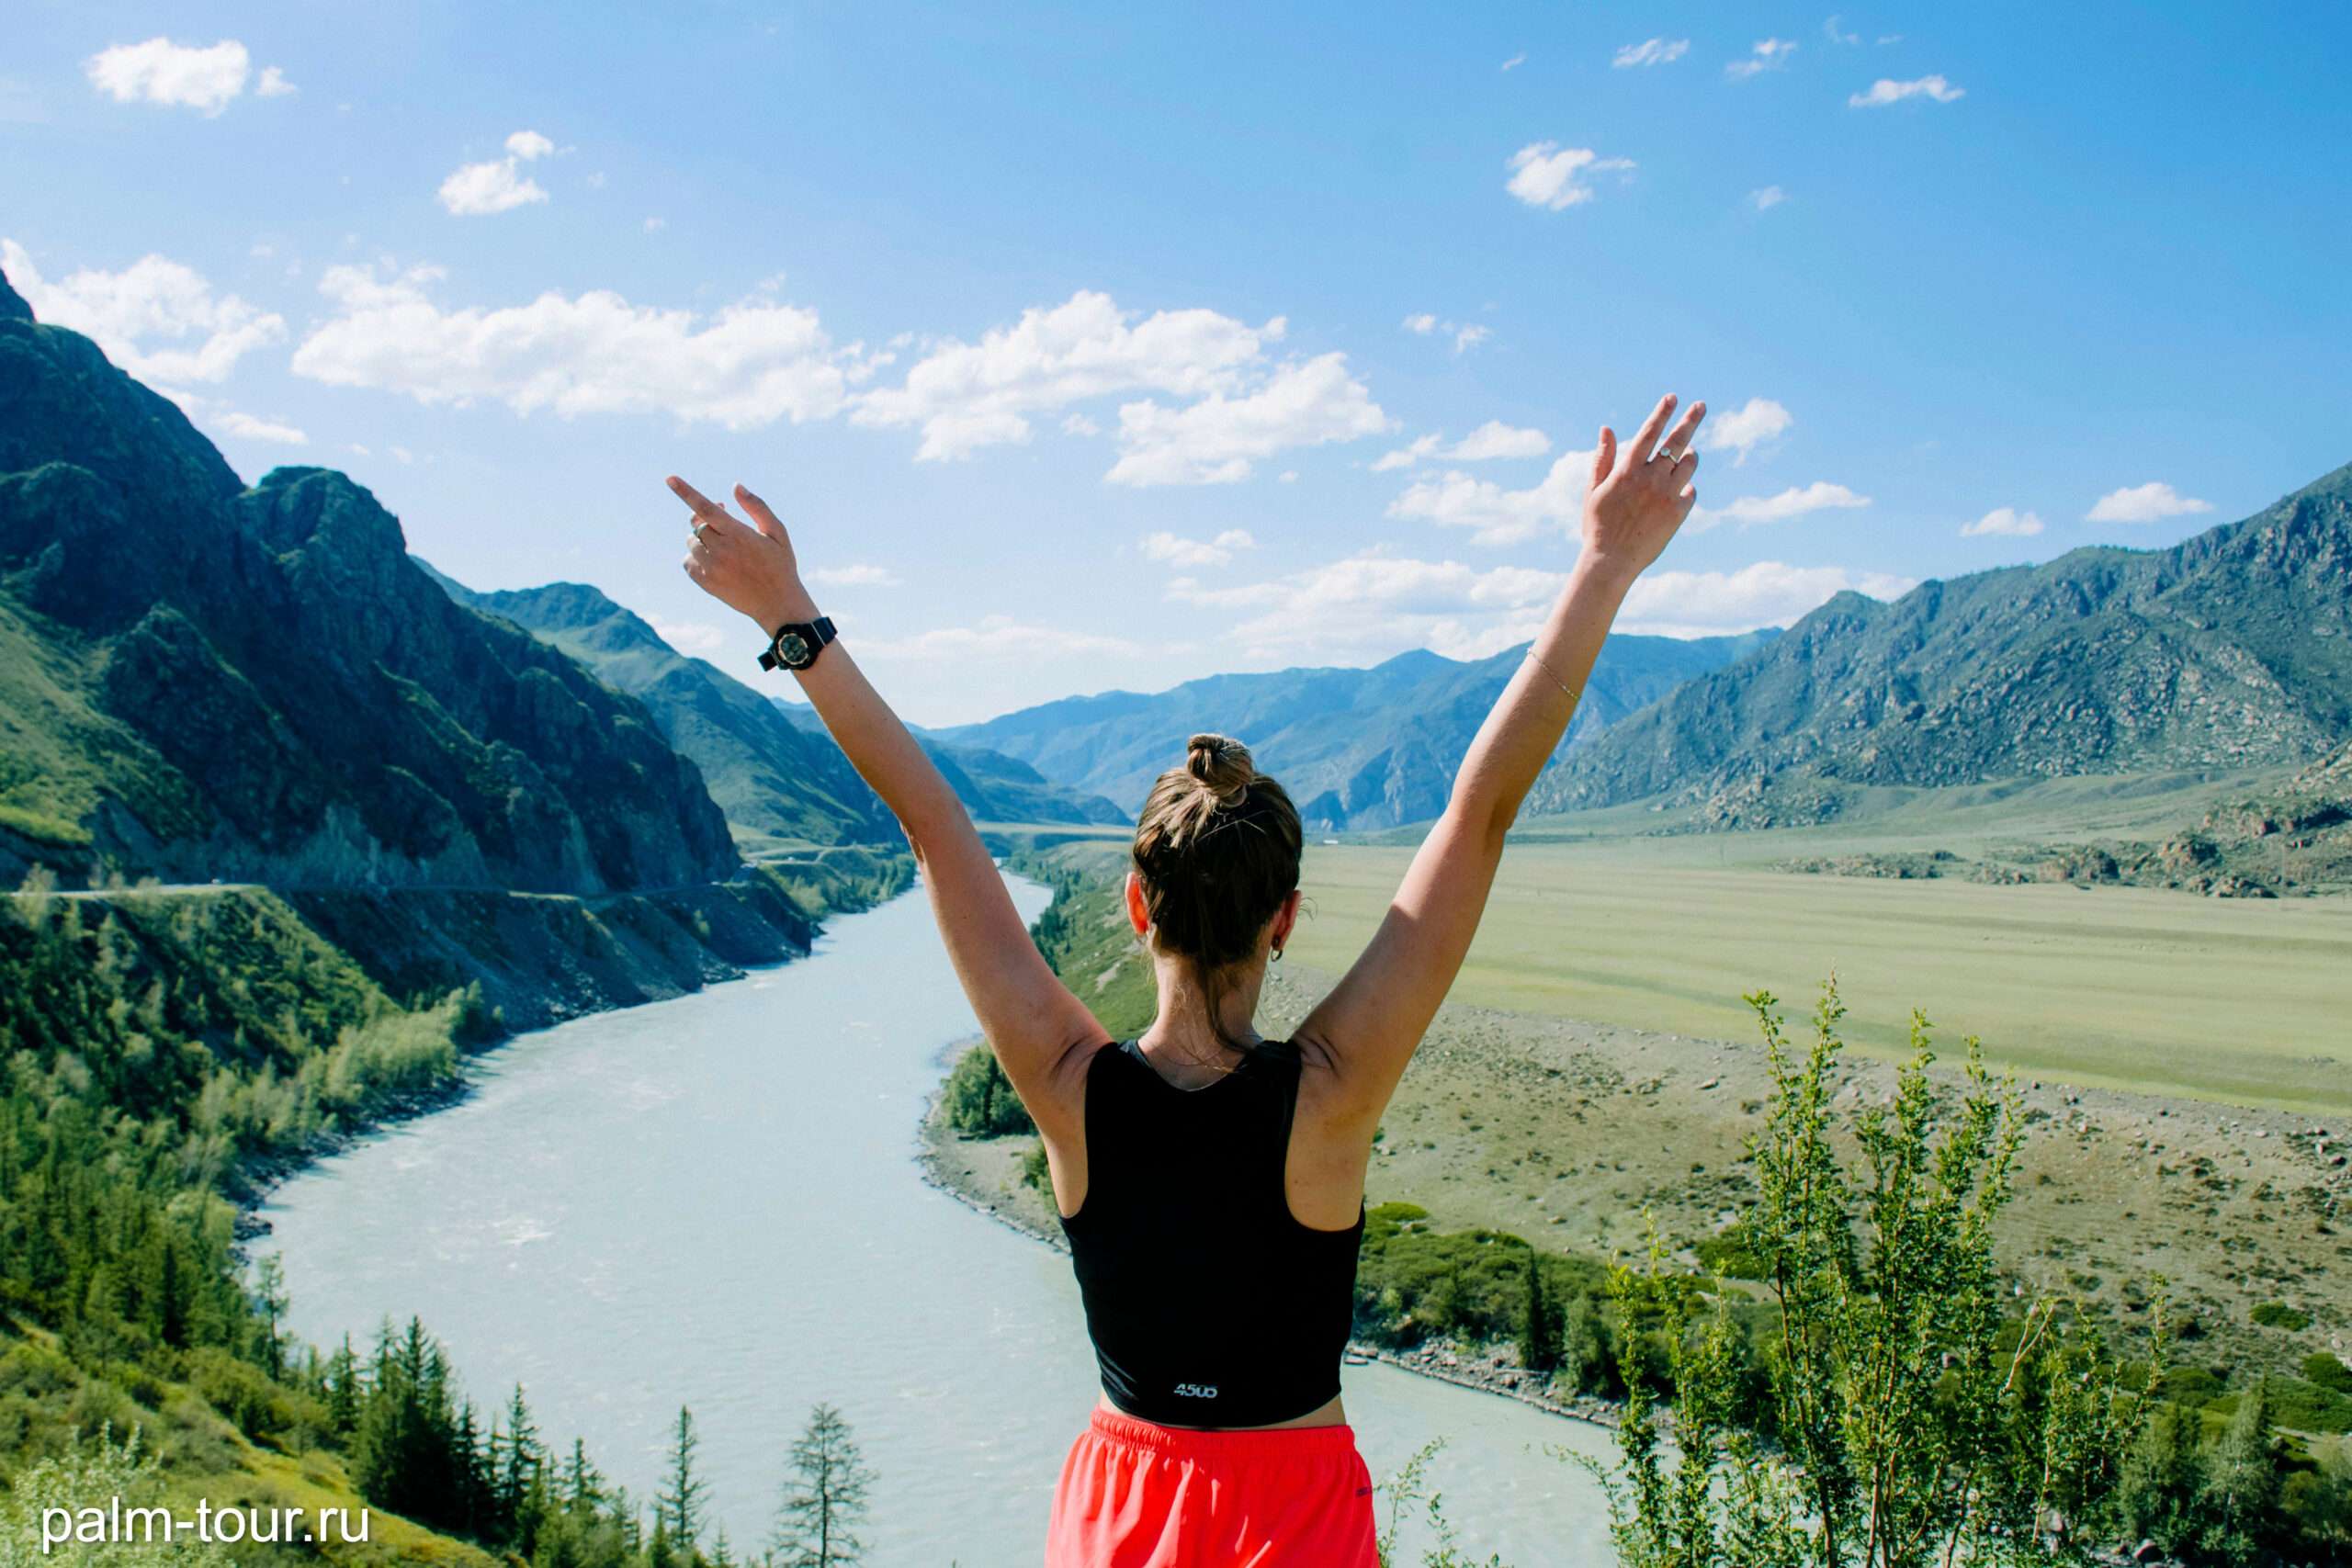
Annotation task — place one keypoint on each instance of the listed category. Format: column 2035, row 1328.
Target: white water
column 715, row 1201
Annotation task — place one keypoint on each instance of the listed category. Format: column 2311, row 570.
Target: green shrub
column 2278, row 1315
column 979, row 1100
column 1729, row 1256
column 2328, row 1370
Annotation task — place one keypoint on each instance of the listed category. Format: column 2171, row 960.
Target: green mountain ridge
column 2232, row 649
column 1356, row 748
column 776, row 778
column 201, row 680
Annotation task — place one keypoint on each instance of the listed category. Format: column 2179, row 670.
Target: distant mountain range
column 2232, row 649
column 771, row 767
column 1357, row 749
column 199, row 679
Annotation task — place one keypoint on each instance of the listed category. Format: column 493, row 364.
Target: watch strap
column 818, row 634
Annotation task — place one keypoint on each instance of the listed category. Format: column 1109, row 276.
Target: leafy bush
column 978, row 1099
column 1914, row 1423
column 2278, row 1315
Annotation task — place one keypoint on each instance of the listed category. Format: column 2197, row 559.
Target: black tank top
column 1209, row 1305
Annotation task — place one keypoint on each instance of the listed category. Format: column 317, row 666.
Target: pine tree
column 825, row 1497
column 679, row 1505
column 342, row 1391
column 516, row 1460
column 1539, row 1334
column 270, row 1300
column 583, row 1487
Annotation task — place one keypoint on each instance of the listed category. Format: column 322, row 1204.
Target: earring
column 1278, row 956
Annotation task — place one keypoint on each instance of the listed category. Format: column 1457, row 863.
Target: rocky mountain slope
column 773, row 769
column 201, row 680
column 2232, row 649
column 1356, row 748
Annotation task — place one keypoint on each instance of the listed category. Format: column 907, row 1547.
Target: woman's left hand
column 750, row 567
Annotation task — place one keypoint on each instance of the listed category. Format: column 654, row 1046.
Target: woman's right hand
column 750, row 567
column 1635, row 506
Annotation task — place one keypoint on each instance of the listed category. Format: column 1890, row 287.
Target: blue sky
column 1114, row 347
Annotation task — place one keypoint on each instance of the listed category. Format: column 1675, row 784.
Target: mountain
column 2231, row 649
column 203, row 679
column 772, row 781
column 993, row 787
column 1355, row 748
column 775, row 778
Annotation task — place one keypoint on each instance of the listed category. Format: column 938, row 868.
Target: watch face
column 793, row 649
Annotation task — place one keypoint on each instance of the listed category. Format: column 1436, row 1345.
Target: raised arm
column 1030, row 1017
column 1370, row 1024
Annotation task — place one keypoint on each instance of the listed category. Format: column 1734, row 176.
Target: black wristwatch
column 797, row 644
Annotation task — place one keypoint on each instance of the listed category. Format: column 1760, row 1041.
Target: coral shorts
column 1135, row 1494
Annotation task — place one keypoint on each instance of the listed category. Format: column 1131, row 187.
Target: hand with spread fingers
column 749, row 566
column 1640, row 494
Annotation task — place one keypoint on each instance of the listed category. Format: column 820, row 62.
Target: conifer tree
column 679, row 1505
column 825, row 1497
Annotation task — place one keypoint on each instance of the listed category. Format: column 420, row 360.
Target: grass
column 2117, row 987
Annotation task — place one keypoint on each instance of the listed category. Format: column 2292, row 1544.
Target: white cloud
column 751, row 364
column 203, row 335
column 966, row 396
column 1215, row 439
column 251, row 429
column 1174, row 550
column 181, row 76
column 1372, row 606
column 1768, row 54
column 1885, row 91
column 1495, row 439
column 655, row 225
column 2145, row 503
column 1652, row 51
column 1465, row 337
column 1742, row 430
column 1078, row 424
column 1405, row 456
column 1544, row 174
column 2004, row 520
column 1835, row 34
column 1751, row 509
column 475, row 190
column 1765, row 198
column 1514, row 63
column 1490, row 441
column 1375, row 604
column 857, row 574
column 999, row 637
column 273, row 84
column 1762, row 593
column 1496, row 515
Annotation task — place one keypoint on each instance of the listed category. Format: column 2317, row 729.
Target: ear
column 1139, row 912
column 1285, row 918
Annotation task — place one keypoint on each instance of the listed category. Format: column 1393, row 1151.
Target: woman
column 1211, row 1182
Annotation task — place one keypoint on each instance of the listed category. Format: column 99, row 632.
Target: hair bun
column 1223, row 766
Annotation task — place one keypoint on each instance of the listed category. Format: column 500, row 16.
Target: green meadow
column 2242, row 1000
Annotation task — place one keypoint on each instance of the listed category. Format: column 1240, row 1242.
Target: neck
column 1182, row 1031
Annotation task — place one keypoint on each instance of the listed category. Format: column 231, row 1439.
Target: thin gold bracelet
column 1541, row 664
